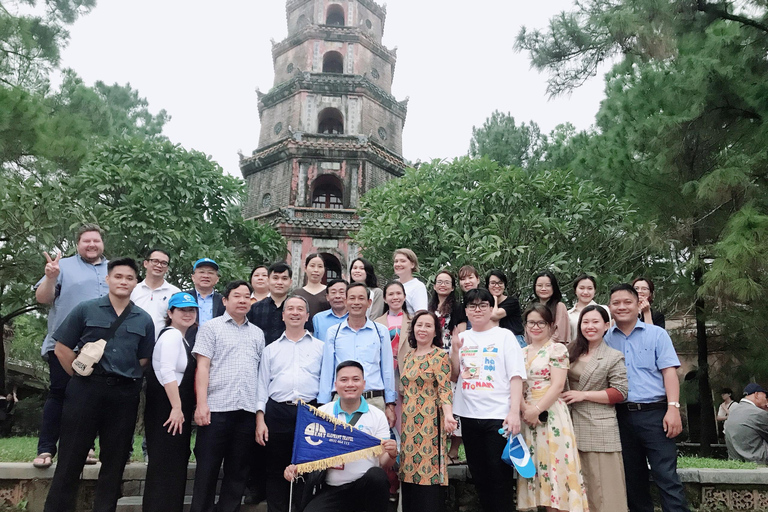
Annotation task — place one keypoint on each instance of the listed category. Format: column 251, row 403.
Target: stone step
column 133, row 504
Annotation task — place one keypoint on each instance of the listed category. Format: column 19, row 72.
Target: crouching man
column 362, row 484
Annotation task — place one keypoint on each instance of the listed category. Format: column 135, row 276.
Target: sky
column 202, row 62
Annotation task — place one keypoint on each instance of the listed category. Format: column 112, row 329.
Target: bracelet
column 537, row 407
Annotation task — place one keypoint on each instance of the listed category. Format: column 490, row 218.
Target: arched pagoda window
column 330, row 122
column 333, row 62
column 335, row 15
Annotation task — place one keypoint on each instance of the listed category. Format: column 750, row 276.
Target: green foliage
column 503, row 141
column 32, row 34
column 478, row 212
column 148, row 192
column 709, row 463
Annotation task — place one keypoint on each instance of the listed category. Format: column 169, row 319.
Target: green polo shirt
column 134, row 339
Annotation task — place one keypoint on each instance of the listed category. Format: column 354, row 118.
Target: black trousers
column 50, row 427
column 166, row 479
column 493, row 479
column 369, row 493
column 423, row 498
column 644, row 442
column 92, row 407
column 231, row 438
column 281, row 422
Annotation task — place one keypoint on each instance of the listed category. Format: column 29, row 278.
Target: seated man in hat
column 746, row 429
column 361, row 484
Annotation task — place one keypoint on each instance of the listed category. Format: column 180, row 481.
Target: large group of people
column 593, row 390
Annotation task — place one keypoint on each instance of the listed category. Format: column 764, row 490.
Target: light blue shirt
column 323, row 320
column 647, row 350
column 205, row 312
column 78, row 281
column 370, row 346
column 362, row 409
column 290, row 370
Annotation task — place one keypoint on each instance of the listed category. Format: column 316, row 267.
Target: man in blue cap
column 205, row 276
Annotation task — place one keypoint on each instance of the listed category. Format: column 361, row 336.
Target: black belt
column 636, row 407
column 111, row 379
column 373, row 394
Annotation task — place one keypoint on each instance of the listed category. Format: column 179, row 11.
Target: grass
column 707, row 463
column 24, row 449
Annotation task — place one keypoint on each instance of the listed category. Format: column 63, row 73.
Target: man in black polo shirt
column 104, row 403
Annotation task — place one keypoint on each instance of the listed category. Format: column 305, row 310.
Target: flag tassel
column 338, row 460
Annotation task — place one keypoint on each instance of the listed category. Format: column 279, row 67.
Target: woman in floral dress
column 427, row 417
column 558, row 483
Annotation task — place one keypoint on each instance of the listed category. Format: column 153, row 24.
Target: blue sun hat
column 517, row 454
column 182, row 300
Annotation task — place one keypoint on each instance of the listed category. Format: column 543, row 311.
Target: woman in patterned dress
column 558, row 483
column 453, row 320
column 427, row 417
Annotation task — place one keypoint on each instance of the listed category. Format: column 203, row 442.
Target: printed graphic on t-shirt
column 478, row 366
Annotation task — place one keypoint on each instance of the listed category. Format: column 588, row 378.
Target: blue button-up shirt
column 370, row 346
column 205, row 312
column 647, row 350
column 322, row 321
column 78, row 281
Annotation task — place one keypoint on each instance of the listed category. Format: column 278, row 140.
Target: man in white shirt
column 153, row 292
column 489, row 367
column 289, row 371
column 361, row 484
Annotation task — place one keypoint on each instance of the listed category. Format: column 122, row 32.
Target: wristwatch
column 676, row 404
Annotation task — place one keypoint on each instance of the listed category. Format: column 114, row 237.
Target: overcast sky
column 202, row 61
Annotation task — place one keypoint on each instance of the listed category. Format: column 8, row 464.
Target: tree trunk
column 708, row 428
column 3, row 360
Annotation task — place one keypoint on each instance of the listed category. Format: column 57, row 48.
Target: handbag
column 92, row 352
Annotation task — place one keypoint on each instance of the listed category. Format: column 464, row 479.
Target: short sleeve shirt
column 372, row 422
column 154, row 302
column 647, row 350
column 133, row 340
column 488, row 360
column 78, row 281
column 235, row 353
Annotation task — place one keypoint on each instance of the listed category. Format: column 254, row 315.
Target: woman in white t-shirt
column 487, row 363
column 170, row 408
column 406, row 264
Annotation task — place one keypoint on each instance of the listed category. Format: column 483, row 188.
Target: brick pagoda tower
column 330, row 129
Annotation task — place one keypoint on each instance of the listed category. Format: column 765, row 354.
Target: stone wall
column 708, row 490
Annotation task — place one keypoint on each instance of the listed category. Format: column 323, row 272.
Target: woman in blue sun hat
column 170, row 408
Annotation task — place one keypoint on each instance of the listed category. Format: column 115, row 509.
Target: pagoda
column 330, row 129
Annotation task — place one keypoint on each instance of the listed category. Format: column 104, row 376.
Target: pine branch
column 718, row 12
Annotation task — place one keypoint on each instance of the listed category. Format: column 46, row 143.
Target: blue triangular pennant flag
column 322, row 441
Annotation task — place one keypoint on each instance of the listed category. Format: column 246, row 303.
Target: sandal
column 454, row 461
column 91, row 458
column 43, row 460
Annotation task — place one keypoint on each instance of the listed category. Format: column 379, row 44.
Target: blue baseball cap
column 182, row 300
column 205, row 261
column 753, row 388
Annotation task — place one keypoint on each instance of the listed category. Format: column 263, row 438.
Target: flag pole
column 290, row 498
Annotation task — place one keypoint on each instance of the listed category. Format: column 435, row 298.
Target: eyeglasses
column 540, row 324
column 495, row 283
column 642, row 289
column 159, row 263
column 478, row 307
column 443, row 283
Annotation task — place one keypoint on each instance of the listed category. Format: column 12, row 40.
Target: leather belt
column 373, row 394
column 637, row 407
